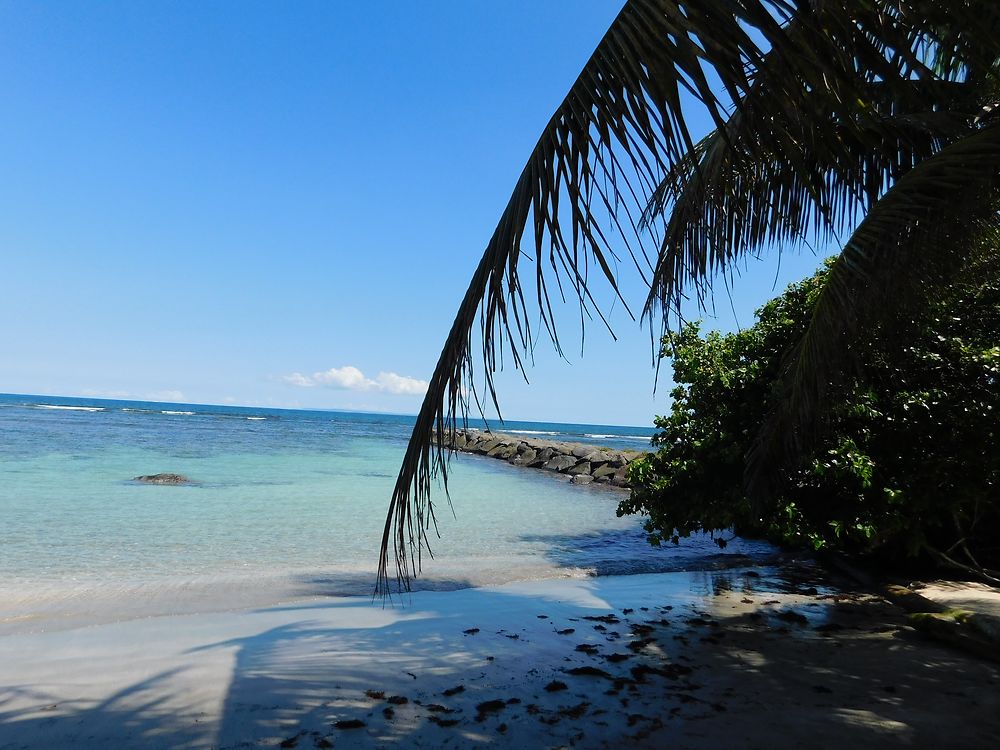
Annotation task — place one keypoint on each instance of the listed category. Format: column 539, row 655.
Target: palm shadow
column 841, row 671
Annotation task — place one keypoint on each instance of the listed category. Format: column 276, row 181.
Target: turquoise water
column 287, row 503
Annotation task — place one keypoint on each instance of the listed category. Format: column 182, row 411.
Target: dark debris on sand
column 589, row 672
column 487, row 708
column 349, row 724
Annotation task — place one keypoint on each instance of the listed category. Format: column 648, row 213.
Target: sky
column 281, row 204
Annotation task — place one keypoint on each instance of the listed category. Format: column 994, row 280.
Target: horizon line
column 314, row 409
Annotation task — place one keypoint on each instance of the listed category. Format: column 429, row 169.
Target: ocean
column 285, row 504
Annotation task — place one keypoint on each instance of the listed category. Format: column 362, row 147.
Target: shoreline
column 744, row 657
column 47, row 607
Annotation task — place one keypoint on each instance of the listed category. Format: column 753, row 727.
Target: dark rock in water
column 163, row 479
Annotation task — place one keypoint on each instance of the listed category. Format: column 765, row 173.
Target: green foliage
column 907, row 459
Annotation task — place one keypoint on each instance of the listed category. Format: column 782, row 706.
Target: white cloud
column 393, row 383
column 299, row 379
column 350, row 378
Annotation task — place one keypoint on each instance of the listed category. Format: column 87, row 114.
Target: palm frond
column 809, row 149
column 911, row 242
column 578, row 202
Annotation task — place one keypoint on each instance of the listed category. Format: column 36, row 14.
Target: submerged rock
column 162, row 479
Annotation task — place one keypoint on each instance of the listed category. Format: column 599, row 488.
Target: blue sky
column 282, row 203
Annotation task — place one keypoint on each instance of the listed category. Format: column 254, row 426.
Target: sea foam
column 69, row 408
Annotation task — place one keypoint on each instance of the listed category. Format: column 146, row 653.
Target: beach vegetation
column 905, row 463
column 867, row 125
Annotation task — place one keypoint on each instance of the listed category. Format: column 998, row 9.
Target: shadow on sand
column 710, row 659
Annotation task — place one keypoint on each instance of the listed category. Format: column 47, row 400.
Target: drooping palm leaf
column 777, row 172
column 920, row 233
column 728, row 200
column 618, row 133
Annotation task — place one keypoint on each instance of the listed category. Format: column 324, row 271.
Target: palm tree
column 874, row 117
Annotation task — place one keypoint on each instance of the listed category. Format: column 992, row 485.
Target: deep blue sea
column 286, row 503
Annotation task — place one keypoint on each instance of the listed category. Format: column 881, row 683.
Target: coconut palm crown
column 875, row 118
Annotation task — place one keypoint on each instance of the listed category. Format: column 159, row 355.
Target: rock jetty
column 585, row 464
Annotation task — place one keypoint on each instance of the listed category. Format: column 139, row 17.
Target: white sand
column 976, row 597
column 732, row 672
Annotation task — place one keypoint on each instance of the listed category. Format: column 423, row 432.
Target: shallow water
column 286, row 504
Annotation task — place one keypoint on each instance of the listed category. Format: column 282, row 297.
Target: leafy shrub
column 908, row 459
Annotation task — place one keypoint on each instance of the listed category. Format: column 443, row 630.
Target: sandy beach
column 739, row 658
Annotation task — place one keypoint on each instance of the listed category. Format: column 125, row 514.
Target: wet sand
column 742, row 658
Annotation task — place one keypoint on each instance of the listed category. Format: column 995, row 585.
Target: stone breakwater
column 584, row 464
